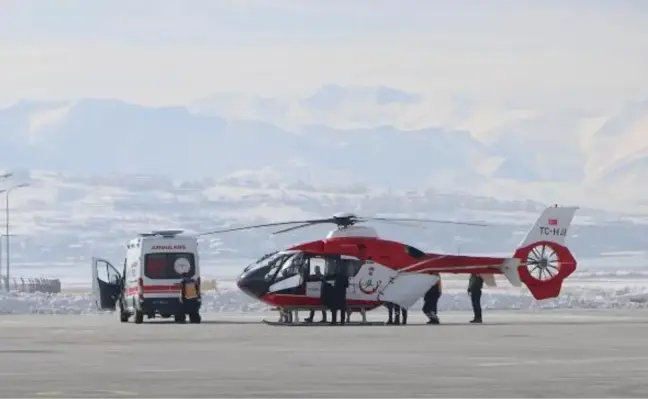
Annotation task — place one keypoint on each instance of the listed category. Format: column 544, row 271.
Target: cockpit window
column 414, row 252
column 275, row 264
column 262, row 261
column 290, row 267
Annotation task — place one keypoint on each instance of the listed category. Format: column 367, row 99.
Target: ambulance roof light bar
column 163, row 233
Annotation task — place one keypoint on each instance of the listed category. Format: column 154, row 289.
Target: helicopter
column 381, row 270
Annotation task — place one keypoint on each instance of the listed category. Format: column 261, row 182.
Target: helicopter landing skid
column 291, row 318
column 316, row 324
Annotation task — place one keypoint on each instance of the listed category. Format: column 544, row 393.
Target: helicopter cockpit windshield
column 284, row 271
column 262, row 261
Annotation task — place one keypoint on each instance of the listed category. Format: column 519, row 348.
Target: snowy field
column 585, row 290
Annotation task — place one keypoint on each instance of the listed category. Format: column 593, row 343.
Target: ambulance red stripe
column 154, row 289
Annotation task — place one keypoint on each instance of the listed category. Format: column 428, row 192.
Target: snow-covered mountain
column 461, row 144
column 619, row 149
column 108, row 136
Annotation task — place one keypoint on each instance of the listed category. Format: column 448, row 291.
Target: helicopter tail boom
column 542, row 262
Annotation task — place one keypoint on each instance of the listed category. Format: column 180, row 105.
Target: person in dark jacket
column 430, row 302
column 475, row 285
column 317, row 276
column 338, row 302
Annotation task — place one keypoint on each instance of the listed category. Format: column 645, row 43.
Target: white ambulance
column 149, row 283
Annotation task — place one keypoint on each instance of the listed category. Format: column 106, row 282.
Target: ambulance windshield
column 169, row 265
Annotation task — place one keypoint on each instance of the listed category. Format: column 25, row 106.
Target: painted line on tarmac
column 99, row 393
column 564, row 361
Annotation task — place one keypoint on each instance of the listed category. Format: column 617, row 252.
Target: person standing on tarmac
column 190, row 298
column 394, row 313
column 475, row 285
column 317, row 276
column 430, row 302
column 390, row 312
column 339, row 296
column 398, row 311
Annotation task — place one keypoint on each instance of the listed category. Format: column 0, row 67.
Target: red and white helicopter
column 381, row 270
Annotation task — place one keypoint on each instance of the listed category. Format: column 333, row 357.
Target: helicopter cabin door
column 106, row 284
column 290, row 277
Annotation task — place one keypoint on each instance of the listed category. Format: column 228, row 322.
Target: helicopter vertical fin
column 552, row 226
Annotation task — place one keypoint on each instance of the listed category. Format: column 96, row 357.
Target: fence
column 22, row 284
column 53, row 285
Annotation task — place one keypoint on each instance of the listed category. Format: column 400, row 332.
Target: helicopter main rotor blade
column 385, row 219
column 256, row 226
column 402, row 223
column 300, row 226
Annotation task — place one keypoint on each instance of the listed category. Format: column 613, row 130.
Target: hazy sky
column 172, row 52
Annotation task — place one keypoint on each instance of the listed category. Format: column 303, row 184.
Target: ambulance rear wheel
column 139, row 317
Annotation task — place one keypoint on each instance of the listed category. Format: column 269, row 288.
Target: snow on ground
column 578, row 293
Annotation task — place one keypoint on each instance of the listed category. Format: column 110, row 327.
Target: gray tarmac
column 514, row 354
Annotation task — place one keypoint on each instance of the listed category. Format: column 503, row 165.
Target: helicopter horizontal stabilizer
column 510, row 270
column 489, row 280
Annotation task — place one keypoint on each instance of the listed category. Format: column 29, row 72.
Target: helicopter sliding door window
column 316, row 267
column 352, row 266
column 347, row 265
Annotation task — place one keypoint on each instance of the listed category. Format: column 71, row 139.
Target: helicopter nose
column 252, row 284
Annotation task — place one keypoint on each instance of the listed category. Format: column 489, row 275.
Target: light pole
column 3, row 176
column 2, row 236
column 7, row 191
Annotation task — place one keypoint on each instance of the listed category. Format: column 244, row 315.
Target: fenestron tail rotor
column 342, row 221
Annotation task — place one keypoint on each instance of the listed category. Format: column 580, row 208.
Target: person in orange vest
column 430, row 302
column 190, row 299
